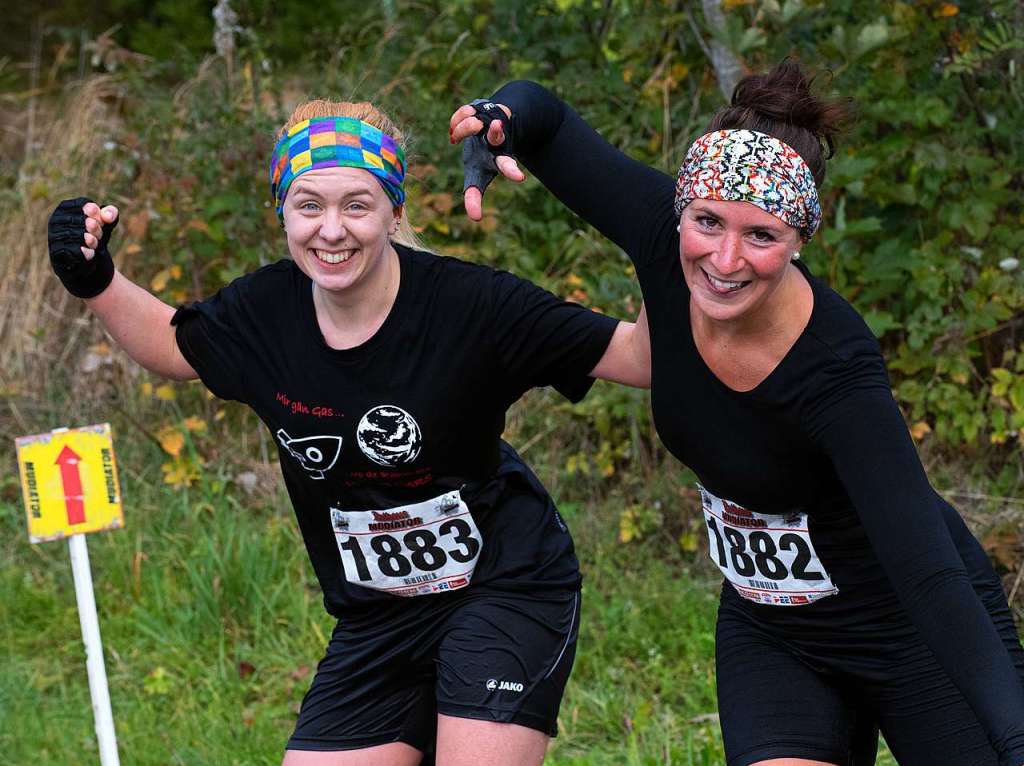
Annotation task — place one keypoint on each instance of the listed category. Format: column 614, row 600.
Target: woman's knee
column 391, row 754
column 471, row 742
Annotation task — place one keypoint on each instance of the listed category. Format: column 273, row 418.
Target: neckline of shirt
column 765, row 381
column 388, row 328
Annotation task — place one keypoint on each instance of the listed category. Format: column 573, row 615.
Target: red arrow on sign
column 68, row 461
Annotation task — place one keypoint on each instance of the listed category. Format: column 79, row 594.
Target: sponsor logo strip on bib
column 768, row 558
column 412, row 550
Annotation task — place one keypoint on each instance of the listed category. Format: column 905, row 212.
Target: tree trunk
column 728, row 68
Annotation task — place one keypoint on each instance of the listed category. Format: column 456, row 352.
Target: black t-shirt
column 414, row 412
column 820, row 436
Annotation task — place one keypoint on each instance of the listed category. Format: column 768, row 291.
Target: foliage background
column 131, row 102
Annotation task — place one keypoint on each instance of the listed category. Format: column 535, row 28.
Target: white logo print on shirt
column 389, row 436
column 494, row 684
column 316, row 454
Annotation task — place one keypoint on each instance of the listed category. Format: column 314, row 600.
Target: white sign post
column 69, row 480
column 101, row 711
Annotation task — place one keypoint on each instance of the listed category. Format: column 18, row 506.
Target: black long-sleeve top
column 820, row 435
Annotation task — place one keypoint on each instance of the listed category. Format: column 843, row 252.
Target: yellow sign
column 69, row 481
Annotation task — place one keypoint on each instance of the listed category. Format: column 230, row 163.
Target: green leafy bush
column 923, row 215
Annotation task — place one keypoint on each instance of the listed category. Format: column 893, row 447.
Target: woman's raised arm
column 138, row 321
column 625, row 200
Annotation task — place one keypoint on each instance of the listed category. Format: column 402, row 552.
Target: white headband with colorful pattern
column 747, row 166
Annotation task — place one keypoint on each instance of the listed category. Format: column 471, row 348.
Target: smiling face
column 735, row 257
column 337, row 221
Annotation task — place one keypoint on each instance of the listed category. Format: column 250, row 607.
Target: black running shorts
column 484, row 654
column 825, row 698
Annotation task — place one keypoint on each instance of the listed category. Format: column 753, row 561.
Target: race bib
column 768, row 558
column 412, row 550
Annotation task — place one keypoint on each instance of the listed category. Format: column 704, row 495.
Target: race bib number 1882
column 768, row 558
column 412, row 550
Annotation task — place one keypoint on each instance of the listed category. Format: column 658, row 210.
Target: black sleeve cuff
column 188, row 334
column 575, row 387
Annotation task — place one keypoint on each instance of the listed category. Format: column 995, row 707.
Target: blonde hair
column 368, row 113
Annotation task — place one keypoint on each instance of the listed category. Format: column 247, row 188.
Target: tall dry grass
column 67, row 159
column 41, row 326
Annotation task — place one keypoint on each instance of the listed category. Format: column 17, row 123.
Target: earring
column 677, row 227
column 795, row 256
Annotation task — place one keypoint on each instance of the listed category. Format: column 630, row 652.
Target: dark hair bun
column 780, row 103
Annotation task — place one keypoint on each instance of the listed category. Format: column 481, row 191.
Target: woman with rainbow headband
column 855, row 598
column 384, row 374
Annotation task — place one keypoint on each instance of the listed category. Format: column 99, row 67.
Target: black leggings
column 779, row 699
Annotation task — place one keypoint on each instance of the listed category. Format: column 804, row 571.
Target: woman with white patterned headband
column 855, row 598
column 384, row 373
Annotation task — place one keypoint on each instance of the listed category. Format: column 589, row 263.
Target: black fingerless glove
column 478, row 155
column 83, row 278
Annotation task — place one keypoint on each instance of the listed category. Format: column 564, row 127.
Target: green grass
column 212, row 626
column 643, row 672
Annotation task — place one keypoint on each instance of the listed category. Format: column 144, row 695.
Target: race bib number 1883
column 768, row 558
column 412, row 550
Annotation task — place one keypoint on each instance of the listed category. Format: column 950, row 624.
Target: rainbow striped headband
column 753, row 167
column 336, row 142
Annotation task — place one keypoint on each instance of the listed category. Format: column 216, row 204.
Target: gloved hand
column 478, row 154
column 78, row 246
column 487, row 132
